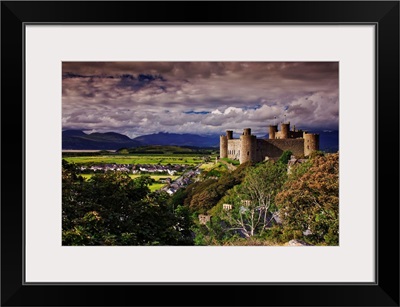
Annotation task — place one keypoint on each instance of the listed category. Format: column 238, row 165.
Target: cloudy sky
column 137, row 98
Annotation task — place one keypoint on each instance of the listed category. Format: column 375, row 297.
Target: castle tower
column 272, row 130
column 248, row 144
column 223, row 146
column 247, row 131
column 229, row 134
column 285, row 130
column 311, row 143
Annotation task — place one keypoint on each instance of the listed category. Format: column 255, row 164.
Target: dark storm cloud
column 142, row 81
column 198, row 97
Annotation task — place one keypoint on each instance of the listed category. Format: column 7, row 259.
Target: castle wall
column 275, row 148
column 249, row 148
column 261, row 150
column 295, row 134
column 234, row 147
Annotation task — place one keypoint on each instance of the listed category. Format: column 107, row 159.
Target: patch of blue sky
column 197, row 112
column 255, row 107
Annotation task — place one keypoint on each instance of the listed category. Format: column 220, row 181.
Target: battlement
column 249, row 148
column 285, row 133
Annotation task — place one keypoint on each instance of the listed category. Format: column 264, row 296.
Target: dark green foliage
column 204, row 195
column 197, row 188
column 234, row 162
column 113, row 209
column 213, row 233
column 214, row 173
column 274, row 234
column 285, row 157
column 252, row 201
column 178, row 198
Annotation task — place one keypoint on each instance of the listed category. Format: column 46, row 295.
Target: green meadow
column 161, row 159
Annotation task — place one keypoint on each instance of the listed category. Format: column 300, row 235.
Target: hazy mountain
column 186, row 139
column 76, row 139
column 68, row 133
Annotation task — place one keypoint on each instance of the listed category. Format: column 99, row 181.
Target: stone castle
column 249, row 148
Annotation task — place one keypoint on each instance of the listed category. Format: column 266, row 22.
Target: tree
column 285, row 157
column 253, row 200
column 202, row 196
column 309, row 202
column 112, row 209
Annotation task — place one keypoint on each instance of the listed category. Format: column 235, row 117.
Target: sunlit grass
column 136, row 159
column 207, row 166
column 156, row 186
column 153, row 187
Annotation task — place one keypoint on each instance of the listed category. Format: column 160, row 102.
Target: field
column 153, row 187
column 162, row 159
column 181, row 158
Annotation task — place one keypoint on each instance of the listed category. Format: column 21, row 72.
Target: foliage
column 231, row 161
column 204, row 195
column 285, row 157
column 309, row 201
column 123, row 151
column 213, row 233
column 214, row 172
column 116, row 209
column 253, row 201
column 113, row 209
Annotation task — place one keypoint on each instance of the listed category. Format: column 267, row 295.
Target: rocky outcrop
column 297, row 243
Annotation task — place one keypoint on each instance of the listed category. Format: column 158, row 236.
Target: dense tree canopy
column 112, row 209
column 251, row 203
column 309, row 202
column 203, row 195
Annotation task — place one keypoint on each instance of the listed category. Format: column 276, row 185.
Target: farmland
column 161, row 159
column 153, row 187
column 170, row 166
column 165, row 167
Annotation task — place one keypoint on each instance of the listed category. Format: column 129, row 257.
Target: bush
column 310, row 202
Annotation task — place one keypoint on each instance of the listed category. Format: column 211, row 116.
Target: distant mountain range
column 175, row 139
column 76, row 139
column 79, row 140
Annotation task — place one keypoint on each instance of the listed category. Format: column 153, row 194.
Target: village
column 187, row 173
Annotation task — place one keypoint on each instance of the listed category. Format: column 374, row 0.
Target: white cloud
column 235, row 95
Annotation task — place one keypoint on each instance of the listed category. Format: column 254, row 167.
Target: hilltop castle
column 249, row 148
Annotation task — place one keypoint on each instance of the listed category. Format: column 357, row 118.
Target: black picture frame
column 383, row 14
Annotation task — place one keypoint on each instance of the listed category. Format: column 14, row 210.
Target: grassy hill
column 76, row 139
